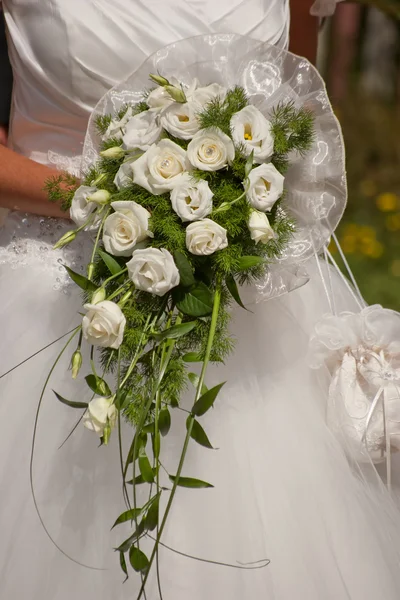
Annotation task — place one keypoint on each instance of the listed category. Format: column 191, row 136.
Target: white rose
column 251, row 129
column 259, row 227
column 159, row 98
column 81, row 209
column 98, row 413
column 192, row 200
column 203, row 95
column 180, row 120
column 104, row 324
column 210, row 150
column 142, row 131
column 124, row 176
column 265, row 186
column 153, row 271
column 125, row 228
column 116, row 127
column 159, row 168
column 205, row 237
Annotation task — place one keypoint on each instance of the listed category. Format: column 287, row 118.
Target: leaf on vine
column 164, row 421
column 197, row 301
column 122, row 399
column 138, row 560
column 146, row 470
column 233, row 288
column 189, row 482
column 124, row 547
column 195, row 380
column 176, row 331
column 151, row 519
column 191, row 357
column 247, row 262
column 198, row 434
column 113, row 266
column 81, row 281
column 70, row 402
column 129, row 515
column 98, row 385
column 122, row 563
column 185, row 269
column 206, row 401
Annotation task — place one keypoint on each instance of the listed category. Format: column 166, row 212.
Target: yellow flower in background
column 362, row 239
column 393, row 222
column 387, row 202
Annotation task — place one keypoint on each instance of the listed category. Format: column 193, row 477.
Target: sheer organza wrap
column 315, row 183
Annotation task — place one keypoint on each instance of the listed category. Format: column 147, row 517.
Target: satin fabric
column 67, row 53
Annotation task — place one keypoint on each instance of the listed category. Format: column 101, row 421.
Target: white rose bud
column 265, row 187
column 114, row 153
column 259, row 227
column 210, row 150
column 81, row 209
column 99, row 197
column 142, row 131
column 100, row 413
column 104, row 324
column 203, row 95
column 124, row 176
column 116, row 127
column 153, row 271
column 159, row 98
column 205, row 237
column 176, row 93
column 180, row 120
column 98, row 295
column 252, row 130
column 125, row 228
column 158, row 170
column 192, row 200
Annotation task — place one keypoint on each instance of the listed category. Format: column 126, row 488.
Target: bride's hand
column 21, row 185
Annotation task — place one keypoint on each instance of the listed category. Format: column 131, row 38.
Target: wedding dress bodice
column 67, row 53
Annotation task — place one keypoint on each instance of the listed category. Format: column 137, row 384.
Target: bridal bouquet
column 184, row 198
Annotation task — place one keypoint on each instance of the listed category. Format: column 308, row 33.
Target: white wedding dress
column 284, row 490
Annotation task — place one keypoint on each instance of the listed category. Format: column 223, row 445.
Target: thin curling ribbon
column 380, row 399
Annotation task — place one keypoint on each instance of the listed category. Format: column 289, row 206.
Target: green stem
column 210, row 341
column 96, row 243
column 114, row 276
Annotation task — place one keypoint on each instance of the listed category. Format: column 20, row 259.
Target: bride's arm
column 303, row 30
column 21, row 184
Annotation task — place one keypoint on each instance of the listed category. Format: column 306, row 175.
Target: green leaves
column 191, row 357
column 195, row 380
column 248, row 262
column 129, row 515
column 206, row 401
column 198, row 434
column 151, row 520
column 80, row 280
column 176, row 331
column 138, row 560
column 164, row 421
column 197, row 301
column 98, row 385
column 124, row 547
column 189, row 482
column 145, row 468
column 233, row 288
column 185, row 270
column 70, row 402
column 113, row 266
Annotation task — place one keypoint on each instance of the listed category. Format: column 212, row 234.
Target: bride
column 286, row 491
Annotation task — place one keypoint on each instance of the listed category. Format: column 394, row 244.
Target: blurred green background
column 360, row 60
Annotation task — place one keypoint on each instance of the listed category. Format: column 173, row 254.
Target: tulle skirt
column 284, row 491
